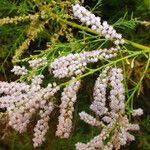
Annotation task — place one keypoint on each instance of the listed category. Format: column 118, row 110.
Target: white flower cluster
column 97, row 141
column 99, row 94
column 38, row 62
column 69, row 96
column 113, row 77
column 12, row 93
column 137, row 112
column 36, row 82
column 89, row 119
column 75, row 64
column 122, row 136
column 96, row 24
column 22, row 100
column 21, row 113
column 117, row 91
column 42, row 127
column 17, row 70
column 115, row 124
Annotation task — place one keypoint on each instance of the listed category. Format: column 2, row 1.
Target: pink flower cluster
column 109, row 105
column 42, row 125
column 22, row 100
column 67, row 108
column 38, row 62
column 96, row 24
column 75, row 64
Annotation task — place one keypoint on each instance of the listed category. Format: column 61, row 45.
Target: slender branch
column 139, row 83
column 139, row 46
column 101, row 67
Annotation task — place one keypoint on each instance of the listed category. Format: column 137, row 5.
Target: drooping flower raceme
column 137, row 112
column 75, row 64
column 17, row 70
column 96, row 24
column 22, row 100
column 90, row 119
column 99, row 94
column 42, row 125
column 111, row 111
column 69, row 96
column 116, row 97
column 38, row 62
column 21, row 113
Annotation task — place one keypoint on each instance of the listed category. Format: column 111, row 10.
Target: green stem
column 77, row 26
column 109, row 64
column 139, row 46
column 130, row 99
column 136, row 45
column 101, row 67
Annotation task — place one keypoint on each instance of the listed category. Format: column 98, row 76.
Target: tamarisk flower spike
column 38, row 62
column 75, row 64
column 66, row 109
column 111, row 111
column 102, row 27
column 42, row 127
column 17, row 70
column 22, row 100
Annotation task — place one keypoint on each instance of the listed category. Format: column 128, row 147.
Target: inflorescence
column 101, row 27
column 24, row 99
column 69, row 96
column 75, row 64
column 113, row 123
